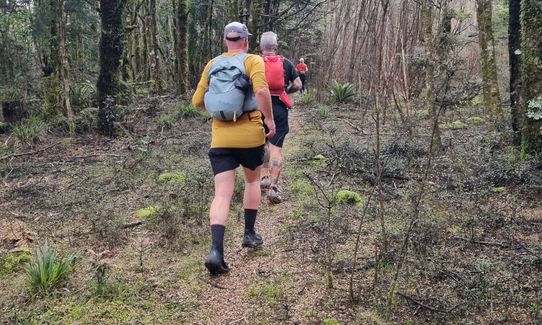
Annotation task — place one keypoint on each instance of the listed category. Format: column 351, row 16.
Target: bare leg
column 265, row 166
column 252, row 194
column 220, row 207
column 276, row 164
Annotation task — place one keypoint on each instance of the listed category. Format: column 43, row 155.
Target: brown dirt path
column 236, row 297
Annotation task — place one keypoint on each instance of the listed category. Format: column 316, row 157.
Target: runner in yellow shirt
column 234, row 143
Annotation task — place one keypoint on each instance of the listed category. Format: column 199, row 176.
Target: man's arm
column 263, row 97
column 294, row 86
column 197, row 99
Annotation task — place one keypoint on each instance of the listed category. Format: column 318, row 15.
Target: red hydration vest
column 274, row 73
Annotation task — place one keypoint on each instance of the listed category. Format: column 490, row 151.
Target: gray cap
column 235, row 31
column 268, row 41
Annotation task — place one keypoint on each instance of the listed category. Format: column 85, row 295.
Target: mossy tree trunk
column 110, row 56
column 63, row 68
column 233, row 10
column 254, row 22
column 530, row 103
column 181, row 49
column 156, row 73
column 514, row 51
column 491, row 95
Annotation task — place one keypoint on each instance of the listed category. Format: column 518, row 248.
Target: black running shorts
column 280, row 115
column 224, row 159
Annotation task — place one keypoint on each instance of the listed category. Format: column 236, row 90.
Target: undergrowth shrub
column 86, row 121
column 48, row 269
column 177, row 212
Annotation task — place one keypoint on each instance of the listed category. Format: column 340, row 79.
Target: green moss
column 173, row 178
column 14, row 262
column 454, row 125
column 348, row 197
column 318, row 160
column 475, row 119
column 301, row 187
column 477, row 100
column 331, row 321
column 190, row 269
column 269, row 292
column 147, row 212
column 501, row 189
column 262, row 253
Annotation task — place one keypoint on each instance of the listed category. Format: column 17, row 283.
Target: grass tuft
column 48, row 269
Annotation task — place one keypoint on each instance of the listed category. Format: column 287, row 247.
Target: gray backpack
column 229, row 94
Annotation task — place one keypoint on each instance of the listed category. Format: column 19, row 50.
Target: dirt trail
column 227, row 299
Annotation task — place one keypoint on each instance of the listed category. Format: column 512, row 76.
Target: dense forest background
column 52, row 52
column 413, row 170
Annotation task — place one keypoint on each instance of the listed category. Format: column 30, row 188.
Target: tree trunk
column 155, row 59
column 181, row 48
column 51, row 86
column 110, row 55
column 270, row 13
column 514, row 50
column 233, row 10
column 491, row 95
column 530, row 105
column 63, row 68
column 254, row 22
column 427, row 21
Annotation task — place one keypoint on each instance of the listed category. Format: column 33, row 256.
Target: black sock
column 250, row 220
column 217, row 235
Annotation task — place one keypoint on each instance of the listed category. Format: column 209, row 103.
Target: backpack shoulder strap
column 222, row 62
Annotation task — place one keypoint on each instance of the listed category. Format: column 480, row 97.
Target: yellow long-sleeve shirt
column 247, row 131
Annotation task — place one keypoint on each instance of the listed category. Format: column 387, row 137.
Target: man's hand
column 271, row 127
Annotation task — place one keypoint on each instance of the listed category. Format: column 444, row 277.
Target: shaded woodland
column 413, row 170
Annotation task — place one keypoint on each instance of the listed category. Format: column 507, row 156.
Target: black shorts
column 303, row 78
column 224, row 159
column 280, row 115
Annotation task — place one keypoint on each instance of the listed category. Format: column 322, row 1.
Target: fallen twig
column 132, row 225
column 29, row 152
column 357, row 128
column 421, row 304
column 238, row 320
column 481, row 242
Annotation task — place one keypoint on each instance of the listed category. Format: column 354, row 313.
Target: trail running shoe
column 274, row 196
column 252, row 240
column 265, row 183
column 215, row 263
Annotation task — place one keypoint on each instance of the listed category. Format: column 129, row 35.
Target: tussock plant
column 307, row 99
column 342, row 93
column 30, row 131
column 187, row 111
column 48, row 269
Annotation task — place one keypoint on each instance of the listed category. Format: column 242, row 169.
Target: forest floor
column 135, row 211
